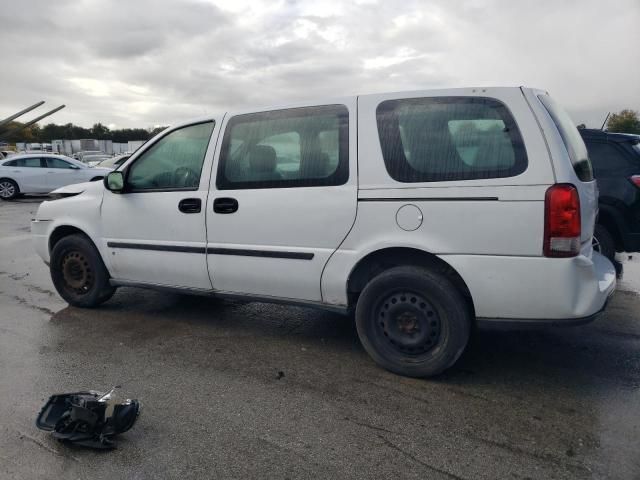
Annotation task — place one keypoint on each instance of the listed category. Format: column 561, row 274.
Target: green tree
column 626, row 121
column 156, row 130
column 100, row 131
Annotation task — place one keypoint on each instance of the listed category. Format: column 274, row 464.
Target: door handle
column 190, row 205
column 225, row 205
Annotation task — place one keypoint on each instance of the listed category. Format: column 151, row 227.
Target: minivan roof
column 338, row 100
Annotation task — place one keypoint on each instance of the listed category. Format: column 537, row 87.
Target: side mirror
column 114, row 182
column 74, row 167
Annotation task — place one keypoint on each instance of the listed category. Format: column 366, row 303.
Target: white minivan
column 421, row 212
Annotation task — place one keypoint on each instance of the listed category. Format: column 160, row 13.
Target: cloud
column 150, row 62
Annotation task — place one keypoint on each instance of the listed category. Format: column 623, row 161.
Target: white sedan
column 42, row 173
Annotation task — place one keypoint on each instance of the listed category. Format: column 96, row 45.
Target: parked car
column 616, row 165
column 80, row 155
column 41, row 173
column 6, row 154
column 93, row 160
column 423, row 213
column 114, row 162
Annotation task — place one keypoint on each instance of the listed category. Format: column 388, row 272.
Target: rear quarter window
column 571, row 138
column 449, row 138
column 25, row 162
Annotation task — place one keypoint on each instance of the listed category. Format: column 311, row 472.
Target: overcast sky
column 139, row 63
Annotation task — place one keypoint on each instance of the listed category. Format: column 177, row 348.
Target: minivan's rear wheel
column 78, row 272
column 413, row 321
column 8, row 189
column 603, row 242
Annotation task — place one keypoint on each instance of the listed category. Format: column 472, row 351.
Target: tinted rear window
column 571, row 137
column 449, row 138
column 23, row 162
column 606, row 158
column 298, row 147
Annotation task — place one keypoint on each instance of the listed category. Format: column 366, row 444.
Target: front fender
column 80, row 212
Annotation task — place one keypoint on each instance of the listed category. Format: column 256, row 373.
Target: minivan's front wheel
column 78, row 272
column 413, row 321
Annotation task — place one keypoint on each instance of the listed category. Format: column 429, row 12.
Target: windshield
column 571, row 137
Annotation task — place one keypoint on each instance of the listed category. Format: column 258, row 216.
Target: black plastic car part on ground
column 89, row 419
column 615, row 159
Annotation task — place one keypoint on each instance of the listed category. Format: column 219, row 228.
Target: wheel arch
column 13, row 180
column 380, row 260
column 62, row 231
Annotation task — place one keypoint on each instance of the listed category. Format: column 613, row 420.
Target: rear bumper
column 540, row 322
column 536, row 290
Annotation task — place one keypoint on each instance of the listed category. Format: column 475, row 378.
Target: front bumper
column 40, row 238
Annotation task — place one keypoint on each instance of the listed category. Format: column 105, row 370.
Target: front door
column 155, row 230
column 61, row 173
column 283, row 199
column 31, row 174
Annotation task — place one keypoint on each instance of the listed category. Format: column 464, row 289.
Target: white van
column 422, row 212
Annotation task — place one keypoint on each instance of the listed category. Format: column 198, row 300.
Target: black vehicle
column 616, row 166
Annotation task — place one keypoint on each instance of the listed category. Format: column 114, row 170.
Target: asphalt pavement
column 251, row 390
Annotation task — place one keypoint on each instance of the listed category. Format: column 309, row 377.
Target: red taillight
column 562, row 221
column 635, row 180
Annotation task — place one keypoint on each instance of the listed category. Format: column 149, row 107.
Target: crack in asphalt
column 387, row 388
column 372, row 427
column 546, row 457
column 44, row 291
column 26, row 303
column 46, row 447
column 395, row 447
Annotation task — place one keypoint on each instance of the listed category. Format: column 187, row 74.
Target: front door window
column 174, row 162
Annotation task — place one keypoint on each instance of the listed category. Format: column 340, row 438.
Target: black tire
column 8, row 189
column 413, row 321
column 78, row 272
column 603, row 242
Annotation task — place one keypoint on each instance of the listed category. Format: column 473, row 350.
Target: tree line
column 626, row 121
column 51, row 131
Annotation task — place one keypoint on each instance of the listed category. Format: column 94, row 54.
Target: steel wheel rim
column 7, row 189
column 77, row 273
column 407, row 323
